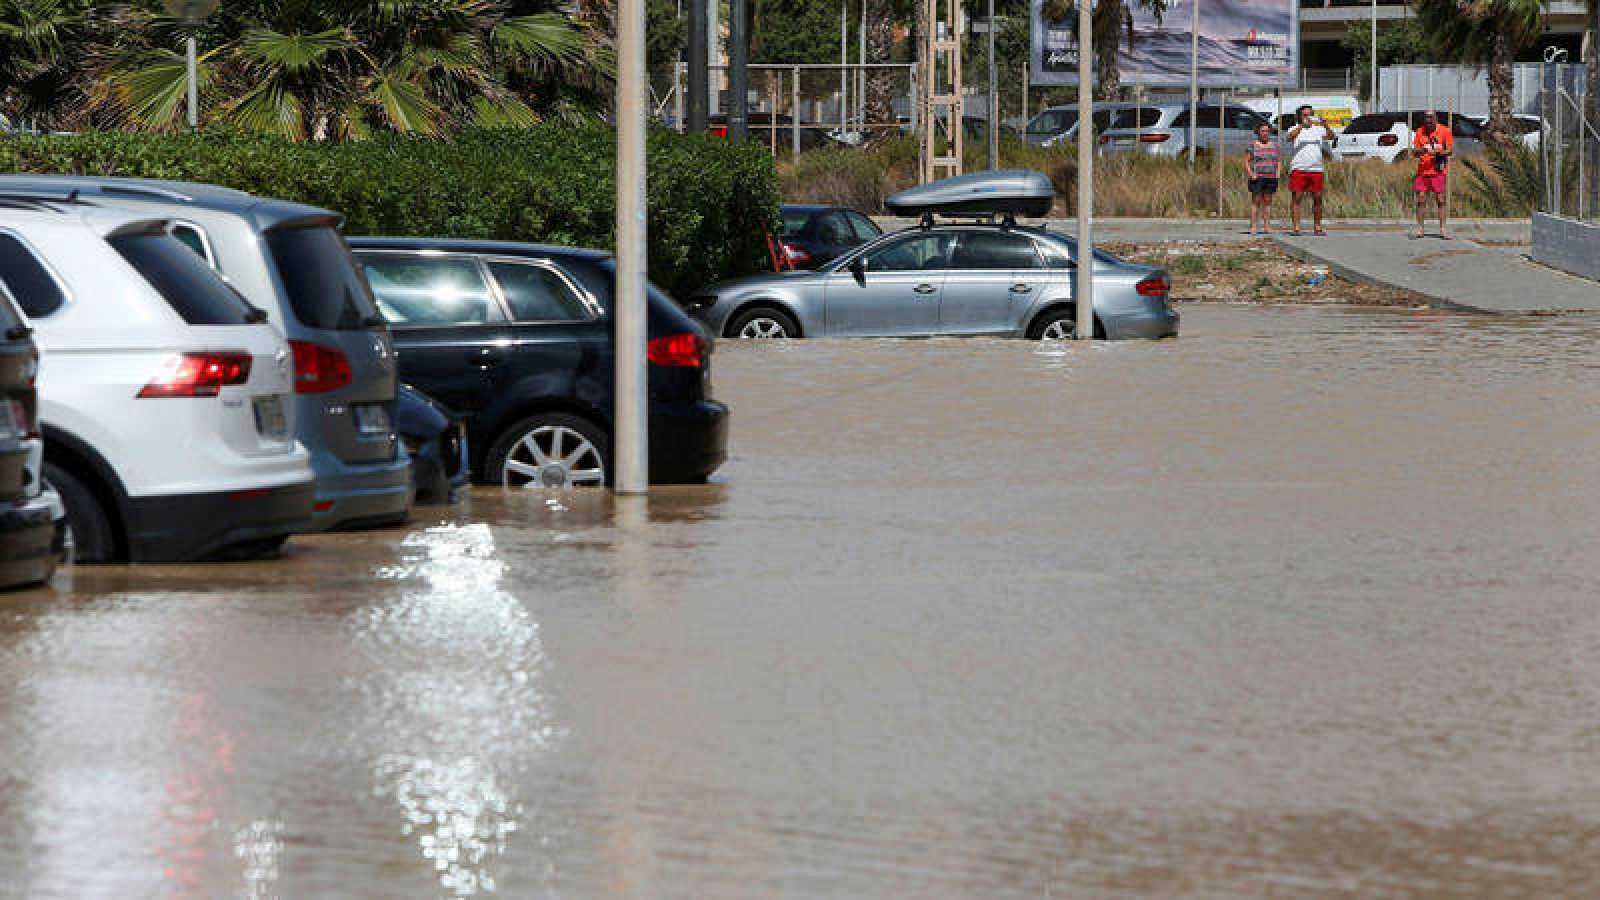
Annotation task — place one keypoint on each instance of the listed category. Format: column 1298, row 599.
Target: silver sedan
column 944, row 280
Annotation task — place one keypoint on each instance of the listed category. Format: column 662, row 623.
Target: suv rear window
column 325, row 286
column 1372, row 124
column 192, row 288
column 1136, row 118
column 36, row 290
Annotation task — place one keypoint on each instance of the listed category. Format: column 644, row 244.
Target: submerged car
column 291, row 261
column 962, row 279
column 165, row 408
column 436, row 441
column 27, row 522
column 517, row 340
column 813, row 234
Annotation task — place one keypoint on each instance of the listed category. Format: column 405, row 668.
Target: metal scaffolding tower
column 941, row 90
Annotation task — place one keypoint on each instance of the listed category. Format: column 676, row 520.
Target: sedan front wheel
column 764, row 323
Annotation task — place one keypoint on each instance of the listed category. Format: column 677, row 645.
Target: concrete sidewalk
column 1458, row 274
column 1151, row 231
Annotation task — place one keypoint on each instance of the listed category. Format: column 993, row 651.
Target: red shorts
column 1302, row 182
column 1432, row 183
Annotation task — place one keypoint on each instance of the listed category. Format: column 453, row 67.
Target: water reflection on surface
column 1302, row 603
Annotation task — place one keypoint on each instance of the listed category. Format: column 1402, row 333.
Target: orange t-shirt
column 1428, row 144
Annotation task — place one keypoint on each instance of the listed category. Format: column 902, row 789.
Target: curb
column 1348, row 274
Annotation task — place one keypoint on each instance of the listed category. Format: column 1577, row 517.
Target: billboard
column 1243, row 44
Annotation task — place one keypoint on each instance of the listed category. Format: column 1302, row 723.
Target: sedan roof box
column 1006, row 192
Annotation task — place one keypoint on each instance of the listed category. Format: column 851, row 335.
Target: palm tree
column 1486, row 33
column 339, row 69
column 34, row 76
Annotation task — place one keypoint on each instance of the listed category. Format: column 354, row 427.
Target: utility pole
column 1083, row 324
column 738, row 71
column 699, row 88
column 633, row 446
column 844, row 72
column 1194, row 75
column 1373, row 93
column 994, row 99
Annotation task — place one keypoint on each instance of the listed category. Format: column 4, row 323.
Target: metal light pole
column 191, row 13
column 994, row 99
column 1083, row 324
column 1194, row 75
column 633, row 446
column 738, row 72
column 699, row 67
column 1374, row 61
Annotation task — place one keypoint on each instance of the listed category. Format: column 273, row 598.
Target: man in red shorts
column 1433, row 146
column 1310, row 140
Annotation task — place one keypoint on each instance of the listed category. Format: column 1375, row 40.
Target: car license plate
column 270, row 421
column 371, row 418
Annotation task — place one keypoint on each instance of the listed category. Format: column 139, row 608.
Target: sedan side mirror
column 858, row 268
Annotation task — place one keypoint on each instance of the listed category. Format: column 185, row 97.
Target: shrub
column 708, row 199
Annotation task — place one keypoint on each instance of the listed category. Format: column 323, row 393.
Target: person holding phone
column 1262, row 167
column 1433, row 145
column 1311, row 140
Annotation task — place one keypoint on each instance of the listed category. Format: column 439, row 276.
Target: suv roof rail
column 143, row 190
column 29, row 200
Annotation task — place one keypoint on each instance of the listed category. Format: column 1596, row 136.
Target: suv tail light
column 796, row 253
column 1154, row 286
column 27, row 425
column 681, row 351
column 1156, row 137
column 318, row 369
column 1388, row 140
column 199, row 375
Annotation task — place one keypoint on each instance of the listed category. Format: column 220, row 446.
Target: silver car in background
column 955, row 279
column 1163, row 130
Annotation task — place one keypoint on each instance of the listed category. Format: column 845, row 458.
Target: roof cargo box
column 1013, row 192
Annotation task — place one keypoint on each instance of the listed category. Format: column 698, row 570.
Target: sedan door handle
column 489, row 356
column 924, row 289
column 1022, row 289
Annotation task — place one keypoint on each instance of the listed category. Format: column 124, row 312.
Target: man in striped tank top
column 1262, row 166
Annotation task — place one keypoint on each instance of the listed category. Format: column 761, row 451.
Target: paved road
column 1459, row 274
column 1514, row 231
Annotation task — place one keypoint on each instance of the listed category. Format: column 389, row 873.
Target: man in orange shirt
column 1433, row 145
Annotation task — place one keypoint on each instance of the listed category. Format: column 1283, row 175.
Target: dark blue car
column 517, row 340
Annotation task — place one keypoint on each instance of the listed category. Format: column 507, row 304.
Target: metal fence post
column 1222, row 146
column 794, row 109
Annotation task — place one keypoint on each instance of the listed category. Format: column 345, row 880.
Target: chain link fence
column 1569, row 148
column 795, row 108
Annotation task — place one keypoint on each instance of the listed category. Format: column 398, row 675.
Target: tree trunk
column 1501, row 85
column 880, row 82
column 1107, row 26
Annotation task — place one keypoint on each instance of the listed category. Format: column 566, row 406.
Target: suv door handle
column 1022, row 289
column 924, row 289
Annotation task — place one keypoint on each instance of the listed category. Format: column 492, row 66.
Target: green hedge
column 553, row 183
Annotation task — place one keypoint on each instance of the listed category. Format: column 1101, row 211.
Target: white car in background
column 164, row 394
column 1387, row 136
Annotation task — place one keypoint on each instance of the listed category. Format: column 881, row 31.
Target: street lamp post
column 738, row 71
column 632, row 452
column 699, row 85
column 191, row 13
column 1083, row 323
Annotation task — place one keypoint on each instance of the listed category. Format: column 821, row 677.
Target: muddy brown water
column 1306, row 602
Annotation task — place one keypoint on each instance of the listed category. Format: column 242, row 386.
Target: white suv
column 165, row 395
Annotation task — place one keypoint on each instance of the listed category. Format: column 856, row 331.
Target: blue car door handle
column 924, row 289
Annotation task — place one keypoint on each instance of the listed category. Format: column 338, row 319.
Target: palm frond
column 153, row 88
column 405, row 105
column 272, row 108
column 294, row 53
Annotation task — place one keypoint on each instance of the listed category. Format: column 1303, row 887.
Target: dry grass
column 1253, row 272
column 1125, row 185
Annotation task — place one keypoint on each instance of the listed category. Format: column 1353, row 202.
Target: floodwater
column 1306, row 602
